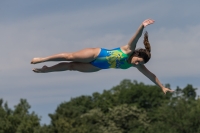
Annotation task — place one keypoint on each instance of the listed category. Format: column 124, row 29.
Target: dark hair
column 143, row 53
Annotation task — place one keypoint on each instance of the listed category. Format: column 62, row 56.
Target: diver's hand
column 147, row 22
column 165, row 90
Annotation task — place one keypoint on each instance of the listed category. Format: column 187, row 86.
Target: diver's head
column 141, row 56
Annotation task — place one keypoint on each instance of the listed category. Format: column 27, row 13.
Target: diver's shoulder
column 126, row 49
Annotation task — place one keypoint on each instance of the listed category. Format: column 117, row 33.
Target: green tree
column 18, row 120
column 180, row 115
column 138, row 97
column 120, row 119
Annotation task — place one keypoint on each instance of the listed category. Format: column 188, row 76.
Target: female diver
column 95, row 59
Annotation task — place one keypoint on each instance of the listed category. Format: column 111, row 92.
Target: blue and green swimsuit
column 113, row 58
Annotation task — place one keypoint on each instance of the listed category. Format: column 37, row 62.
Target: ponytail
column 146, row 42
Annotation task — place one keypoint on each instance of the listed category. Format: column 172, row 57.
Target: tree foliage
column 18, row 120
column 129, row 107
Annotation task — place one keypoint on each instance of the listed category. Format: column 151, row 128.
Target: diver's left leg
column 64, row 66
column 86, row 55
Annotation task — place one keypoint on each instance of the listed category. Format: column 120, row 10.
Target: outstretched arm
column 152, row 77
column 133, row 41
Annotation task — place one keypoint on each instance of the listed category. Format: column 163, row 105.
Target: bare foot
column 36, row 60
column 41, row 70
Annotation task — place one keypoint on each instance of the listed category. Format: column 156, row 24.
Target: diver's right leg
column 85, row 55
column 64, row 66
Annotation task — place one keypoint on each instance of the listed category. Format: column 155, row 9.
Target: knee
column 67, row 65
column 68, row 56
column 72, row 66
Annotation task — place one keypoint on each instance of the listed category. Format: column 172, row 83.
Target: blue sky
column 44, row 27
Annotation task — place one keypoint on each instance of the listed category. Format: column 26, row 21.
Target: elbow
column 152, row 76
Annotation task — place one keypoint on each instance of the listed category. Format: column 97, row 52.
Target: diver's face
column 135, row 61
